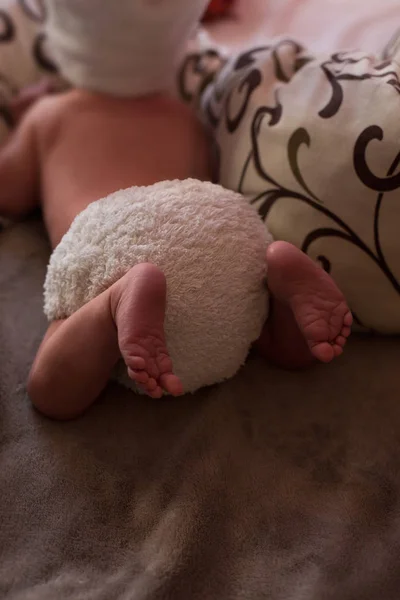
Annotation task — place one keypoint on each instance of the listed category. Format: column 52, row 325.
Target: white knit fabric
column 209, row 242
column 121, row 47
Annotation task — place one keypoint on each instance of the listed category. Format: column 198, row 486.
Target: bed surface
column 324, row 25
column 274, row 485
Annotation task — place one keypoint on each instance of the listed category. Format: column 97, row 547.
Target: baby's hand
column 28, row 96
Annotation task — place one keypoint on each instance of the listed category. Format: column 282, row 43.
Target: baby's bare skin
column 68, row 151
column 92, row 145
column 78, row 147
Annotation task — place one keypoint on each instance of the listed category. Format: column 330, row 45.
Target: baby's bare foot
column 318, row 306
column 138, row 308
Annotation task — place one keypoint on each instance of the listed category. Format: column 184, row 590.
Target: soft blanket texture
column 210, row 245
column 274, row 485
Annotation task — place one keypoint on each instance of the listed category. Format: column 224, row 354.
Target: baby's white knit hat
column 121, row 47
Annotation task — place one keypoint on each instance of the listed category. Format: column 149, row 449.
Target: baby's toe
column 151, row 388
column 323, row 352
column 164, row 363
column 348, row 319
column 136, row 363
column 337, row 349
column 172, row 384
column 151, row 385
column 140, row 377
column 152, row 368
column 340, row 341
column 156, row 393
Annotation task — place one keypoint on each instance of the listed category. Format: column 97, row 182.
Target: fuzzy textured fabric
column 211, row 246
column 124, row 48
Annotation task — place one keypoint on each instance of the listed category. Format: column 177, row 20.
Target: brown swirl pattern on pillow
column 314, row 142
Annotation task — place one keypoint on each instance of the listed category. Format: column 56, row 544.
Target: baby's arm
column 30, row 94
column 19, row 170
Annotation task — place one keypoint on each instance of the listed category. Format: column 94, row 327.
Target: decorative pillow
column 23, row 56
column 315, row 145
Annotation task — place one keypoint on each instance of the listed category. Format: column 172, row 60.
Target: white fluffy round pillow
column 211, row 246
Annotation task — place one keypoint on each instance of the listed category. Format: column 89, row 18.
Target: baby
column 115, row 129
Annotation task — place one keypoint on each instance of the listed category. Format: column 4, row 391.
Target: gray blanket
column 274, row 485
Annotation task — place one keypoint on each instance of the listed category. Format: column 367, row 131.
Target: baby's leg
column 78, row 354
column 309, row 315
